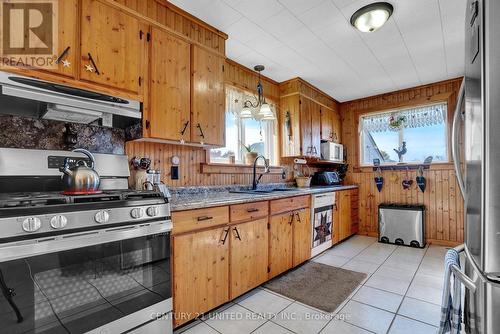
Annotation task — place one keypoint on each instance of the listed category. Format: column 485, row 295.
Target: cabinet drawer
column 249, row 211
column 289, row 204
column 191, row 220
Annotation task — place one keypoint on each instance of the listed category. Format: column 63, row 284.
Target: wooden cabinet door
column 336, row 127
column 170, row 85
column 301, row 236
column 306, row 145
column 290, row 126
column 67, row 39
column 280, row 244
column 248, row 256
column 316, row 129
column 326, row 124
column 113, row 40
column 201, row 272
column 208, row 97
column 336, row 219
column 345, row 214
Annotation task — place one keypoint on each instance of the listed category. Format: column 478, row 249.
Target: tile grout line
column 406, row 292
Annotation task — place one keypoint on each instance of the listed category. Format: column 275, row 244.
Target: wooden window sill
column 221, row 168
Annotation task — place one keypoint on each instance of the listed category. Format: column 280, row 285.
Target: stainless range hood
column 63, row 103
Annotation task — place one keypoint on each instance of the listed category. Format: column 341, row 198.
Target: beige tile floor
column 401, row 294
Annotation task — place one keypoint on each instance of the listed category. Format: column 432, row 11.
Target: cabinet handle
column 203, row 218
column 290, row 221
column 225, row 236
column 93, row 64
column 252, row 210
column 335, row 206
column 298, row 217
column 184, row 128
column 202, row 135
column 237, row 233
column 63, row 54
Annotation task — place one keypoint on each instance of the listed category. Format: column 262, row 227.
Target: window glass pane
column 417, row 133
column 259, row 135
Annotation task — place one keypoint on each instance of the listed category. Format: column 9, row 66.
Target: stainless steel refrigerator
column 478, row 173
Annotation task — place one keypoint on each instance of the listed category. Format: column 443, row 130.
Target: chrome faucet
column 266, row 170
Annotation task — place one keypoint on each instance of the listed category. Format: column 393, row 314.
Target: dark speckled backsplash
column 30, row 133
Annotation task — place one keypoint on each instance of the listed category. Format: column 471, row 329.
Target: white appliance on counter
column 322, row 222
column 332, row 152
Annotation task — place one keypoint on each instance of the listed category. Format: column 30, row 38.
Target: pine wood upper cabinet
column 301, row 236
column 290, row 126
column 112, row 47
column 336, row 127
column 316, row 130
column 169, row 88
column 208, row 97
column 280, row 243
column 326, row 124
column 201, row 272
column 306, row 106
column 248, row 254
column 67, row 38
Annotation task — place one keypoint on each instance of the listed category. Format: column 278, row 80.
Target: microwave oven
column 332, row 152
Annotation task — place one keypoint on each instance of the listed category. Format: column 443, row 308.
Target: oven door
column 104, row 281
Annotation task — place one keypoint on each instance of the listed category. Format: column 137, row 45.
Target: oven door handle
column 31, row 248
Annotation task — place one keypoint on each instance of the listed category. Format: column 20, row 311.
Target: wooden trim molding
column 215, row 168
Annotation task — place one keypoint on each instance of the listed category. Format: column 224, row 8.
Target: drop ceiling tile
column 235, row 49
column 217, row 12
column 282, row 24
column 299, row 6
column 343, row 3
column 321, row 17
column 453, row 20
column 263, row 43
column 244, row 30
column 258, row 10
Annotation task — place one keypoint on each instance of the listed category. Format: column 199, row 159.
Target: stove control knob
column 58, row 222
column 152, row 211
column 32, row 224
column 137, row 213
column 101, row 217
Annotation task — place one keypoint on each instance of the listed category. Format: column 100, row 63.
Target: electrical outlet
column 174, row 172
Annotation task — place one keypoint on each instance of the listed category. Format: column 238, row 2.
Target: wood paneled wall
column 442, row 198
column 244, row 78
column 189, row 167
column 176, row 19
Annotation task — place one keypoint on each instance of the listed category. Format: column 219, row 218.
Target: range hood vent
column 68, row 104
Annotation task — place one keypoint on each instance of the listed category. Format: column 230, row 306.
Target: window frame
column 273, row 146
column 447, row 125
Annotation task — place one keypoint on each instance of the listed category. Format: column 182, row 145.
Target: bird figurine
column 401, row 151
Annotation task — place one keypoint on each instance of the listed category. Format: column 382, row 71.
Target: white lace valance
column 406, row 118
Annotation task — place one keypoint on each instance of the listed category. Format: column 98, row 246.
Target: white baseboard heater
column 401, row 224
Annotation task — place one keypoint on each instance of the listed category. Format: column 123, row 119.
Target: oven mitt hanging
column 421, row 181
column 407, row 184
column 379, row 180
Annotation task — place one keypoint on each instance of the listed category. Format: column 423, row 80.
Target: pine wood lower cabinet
column 289, row 240
column 301, row 236
column 248, row 256
column 280, row 243
column 345, row 214
column 201, row 272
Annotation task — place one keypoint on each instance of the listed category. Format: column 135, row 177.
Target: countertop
column 189, row 200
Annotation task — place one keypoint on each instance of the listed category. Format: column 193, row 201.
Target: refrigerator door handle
column 464, row 279
column 455, row 148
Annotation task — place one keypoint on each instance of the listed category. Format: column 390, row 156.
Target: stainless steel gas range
column 95, row 263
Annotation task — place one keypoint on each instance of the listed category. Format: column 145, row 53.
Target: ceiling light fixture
column 265, row 112
column 371, row 17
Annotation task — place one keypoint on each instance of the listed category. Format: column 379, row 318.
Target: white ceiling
column 423, row 42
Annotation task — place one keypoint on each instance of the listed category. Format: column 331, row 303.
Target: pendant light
column 372, row 17
column 265, row 112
